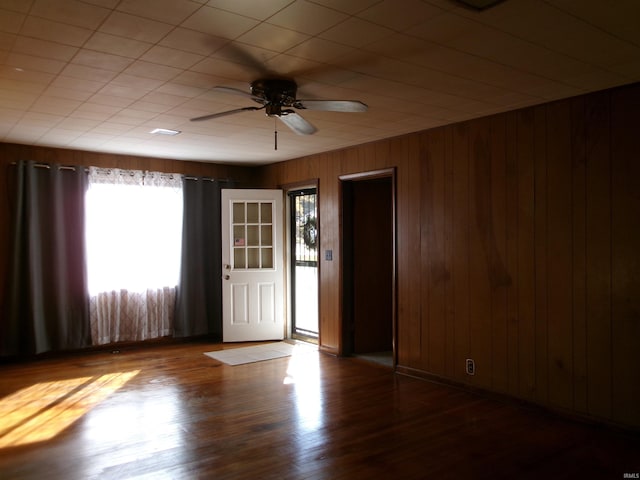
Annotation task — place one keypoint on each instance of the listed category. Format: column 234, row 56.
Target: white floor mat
column 259, row 353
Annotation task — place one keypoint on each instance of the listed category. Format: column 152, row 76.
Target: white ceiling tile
column 191, row 41
column 308, row 18
column 356, row 33
column 222, row 69
column 171, row 57
column 16, row 5
column 54, row 31
column 251, row 8
column 411, row 13
column 17, row 100
column 110, row 100
column 164, row 99
column 30, row 79
column 245, row 54
column 125, row 47
column 124, row 90
column 177, row 89
column 101, row 60
column 320, row 50
column 196, row 79
column 31, row 62
column 219, row 22
column 351, row 7
column 150, row 107
column 292, row 66
column 58, row 136
column 167, row 11
column 134, row 27
column 87, row 73
column 52, row 105
column 152, row 70
column 137, row 82
column 77, row 124
column 273, row 38
column 70, row 12
column 7, row 41
column 10, row 21
column 50, row 50
column 70, row 93
column 103, row 3
column 78, row 84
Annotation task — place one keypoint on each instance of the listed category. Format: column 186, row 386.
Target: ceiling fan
column 277, row 97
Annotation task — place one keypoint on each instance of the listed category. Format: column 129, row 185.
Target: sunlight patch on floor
column 41, row 411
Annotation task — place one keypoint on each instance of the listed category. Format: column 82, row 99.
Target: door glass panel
column 267, row 257
column 266, row 213
column 253, row 258
column 239, row 258
column 266, row 235
column 238, row 212
column 253, row 235
column 252, row 213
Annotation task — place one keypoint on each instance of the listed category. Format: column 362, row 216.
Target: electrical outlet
column 470, row 366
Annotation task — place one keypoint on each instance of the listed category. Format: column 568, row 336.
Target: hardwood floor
column 172, row 412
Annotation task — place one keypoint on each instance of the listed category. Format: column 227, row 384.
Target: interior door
column 253, row 265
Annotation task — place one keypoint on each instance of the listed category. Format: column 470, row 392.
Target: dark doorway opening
column 368, row 328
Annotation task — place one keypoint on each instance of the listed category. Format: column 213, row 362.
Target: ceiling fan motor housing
column 277, row 92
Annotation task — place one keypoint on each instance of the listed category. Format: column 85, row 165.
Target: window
column 133, row 237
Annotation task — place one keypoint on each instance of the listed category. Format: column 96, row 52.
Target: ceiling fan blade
column 296, row 123
column 237, row 91
column 332, row 105
column 224, row 114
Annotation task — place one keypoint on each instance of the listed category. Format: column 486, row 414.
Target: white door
column 253, row 265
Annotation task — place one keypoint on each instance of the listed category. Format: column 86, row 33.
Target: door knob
column 226, row 277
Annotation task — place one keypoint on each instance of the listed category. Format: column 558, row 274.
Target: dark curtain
column 47, row 301
column 199, row 300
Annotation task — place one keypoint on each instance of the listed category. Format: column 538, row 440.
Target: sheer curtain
column 133, row 238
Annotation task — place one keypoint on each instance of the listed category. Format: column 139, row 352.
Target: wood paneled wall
column 11, row 153
column 518, row 241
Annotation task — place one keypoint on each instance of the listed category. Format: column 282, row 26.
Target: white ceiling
column 99, row 75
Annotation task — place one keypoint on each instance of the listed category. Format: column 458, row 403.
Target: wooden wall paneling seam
column 480, row 298
column 501, row 277
column 412, row 208
column 598, row 255
column 540, row 240
column 435, row 270
column 526, row 279
column 449, row 291
column 460, row 245
column 511, row 233
column 559, row 255
column 424, row 220
column 578, row 154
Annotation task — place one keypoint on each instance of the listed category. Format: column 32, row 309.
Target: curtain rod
column 183, row 176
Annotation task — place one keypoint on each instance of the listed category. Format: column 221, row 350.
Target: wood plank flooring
column 171, row 412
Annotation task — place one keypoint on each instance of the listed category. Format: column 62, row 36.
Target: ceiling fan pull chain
column 275, row 134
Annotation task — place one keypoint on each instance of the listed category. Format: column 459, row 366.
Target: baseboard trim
column 517, row 401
